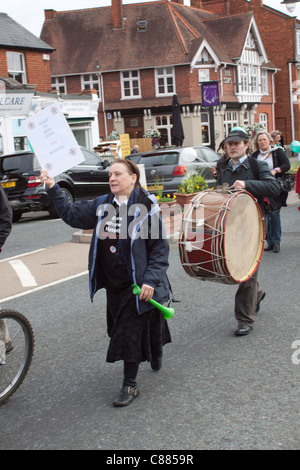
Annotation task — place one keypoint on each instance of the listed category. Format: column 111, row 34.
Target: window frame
column 57, row 85
column 90, row 82
column 230, row 121
column 131, row 88
column 14, row 72
column 263, row 120
column 165, row 76
column 264, row 81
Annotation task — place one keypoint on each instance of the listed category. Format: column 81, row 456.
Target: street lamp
column 290, row 5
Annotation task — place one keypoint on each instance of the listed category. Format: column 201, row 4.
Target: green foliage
column 193, row 184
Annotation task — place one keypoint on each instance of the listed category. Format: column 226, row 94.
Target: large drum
column 222, row 237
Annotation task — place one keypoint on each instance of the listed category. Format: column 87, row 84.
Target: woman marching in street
column 278, row 164
column 128, row 246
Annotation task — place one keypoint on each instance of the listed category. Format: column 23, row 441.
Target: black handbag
column 286, row 182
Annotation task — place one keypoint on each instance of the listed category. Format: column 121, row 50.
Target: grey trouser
column 248, row 295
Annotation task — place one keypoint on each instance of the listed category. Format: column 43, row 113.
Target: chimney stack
column 117, row 14
column 49, row 14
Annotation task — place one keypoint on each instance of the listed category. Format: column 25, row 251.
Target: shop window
column 82, row 133
column 205, row 129
column 164, row 125
column 230, row 121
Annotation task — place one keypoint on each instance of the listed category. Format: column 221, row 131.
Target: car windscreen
column 168, row 158
column 207, row 155
column 90, row 158
column 22, row 163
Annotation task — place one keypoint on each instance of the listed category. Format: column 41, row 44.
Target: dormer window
column 141, row 25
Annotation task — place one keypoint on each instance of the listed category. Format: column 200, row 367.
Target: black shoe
column 156, row 364
column 276, row 248
column 126, row 396
column 258, row 303
column 269, row 248
column 243, row 330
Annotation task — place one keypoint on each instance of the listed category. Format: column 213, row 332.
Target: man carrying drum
column 238, row 172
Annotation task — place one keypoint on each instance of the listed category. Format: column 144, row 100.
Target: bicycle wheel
column 16, row 351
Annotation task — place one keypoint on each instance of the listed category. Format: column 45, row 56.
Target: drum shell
column 213, row 224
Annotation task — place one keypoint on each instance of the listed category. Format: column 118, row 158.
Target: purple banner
column 210, row 94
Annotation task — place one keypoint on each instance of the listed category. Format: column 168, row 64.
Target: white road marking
column 30, row 291
column 23, row 273
column 22, row 254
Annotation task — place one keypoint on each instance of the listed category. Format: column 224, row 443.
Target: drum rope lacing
column 217, row 232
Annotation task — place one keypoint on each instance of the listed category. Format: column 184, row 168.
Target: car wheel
column 17, row 216
column 52, row 210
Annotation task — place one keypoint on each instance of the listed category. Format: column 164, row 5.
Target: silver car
column 169, row 167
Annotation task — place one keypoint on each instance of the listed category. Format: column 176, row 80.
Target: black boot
column 129, row 390
column 156, row 364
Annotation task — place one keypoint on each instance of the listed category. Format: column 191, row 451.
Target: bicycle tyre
column 21, row 354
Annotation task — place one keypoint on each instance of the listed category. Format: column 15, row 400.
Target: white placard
column 52, row 140
column 143, row 180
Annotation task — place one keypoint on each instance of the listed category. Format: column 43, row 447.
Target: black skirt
column 133, row 337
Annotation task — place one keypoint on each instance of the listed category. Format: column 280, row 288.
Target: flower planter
column 183, row 199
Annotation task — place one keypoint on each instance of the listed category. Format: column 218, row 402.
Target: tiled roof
column 230, row 32
column 13, row 35
column 173, row 33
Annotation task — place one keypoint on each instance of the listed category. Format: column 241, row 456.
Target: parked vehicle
column 135, row 157
column 165, row 169
column 20, row 178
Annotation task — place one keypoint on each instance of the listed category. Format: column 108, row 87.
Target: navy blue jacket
column 146, row 258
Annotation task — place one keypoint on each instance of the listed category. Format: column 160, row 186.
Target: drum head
column 243, row 239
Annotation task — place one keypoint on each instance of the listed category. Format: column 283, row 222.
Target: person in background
column 238, row 174
column 277, row 138
column 135, row 149
column 225, row 156
column 278, row 164
column 128, row 247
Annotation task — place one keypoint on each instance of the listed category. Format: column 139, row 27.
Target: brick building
column 24, row 68
column 281, row 37
column 25, row 88
column 138, row 56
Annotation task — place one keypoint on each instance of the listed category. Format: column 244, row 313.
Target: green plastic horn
column 167, row 312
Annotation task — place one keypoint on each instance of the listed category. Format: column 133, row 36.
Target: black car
column 167, row 168
column 20, row 178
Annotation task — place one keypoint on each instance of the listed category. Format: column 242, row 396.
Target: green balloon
column 295, row 146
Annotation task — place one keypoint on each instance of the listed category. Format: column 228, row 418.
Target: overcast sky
column 30, row 13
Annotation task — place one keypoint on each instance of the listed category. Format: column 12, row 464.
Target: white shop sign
column 15, row 104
